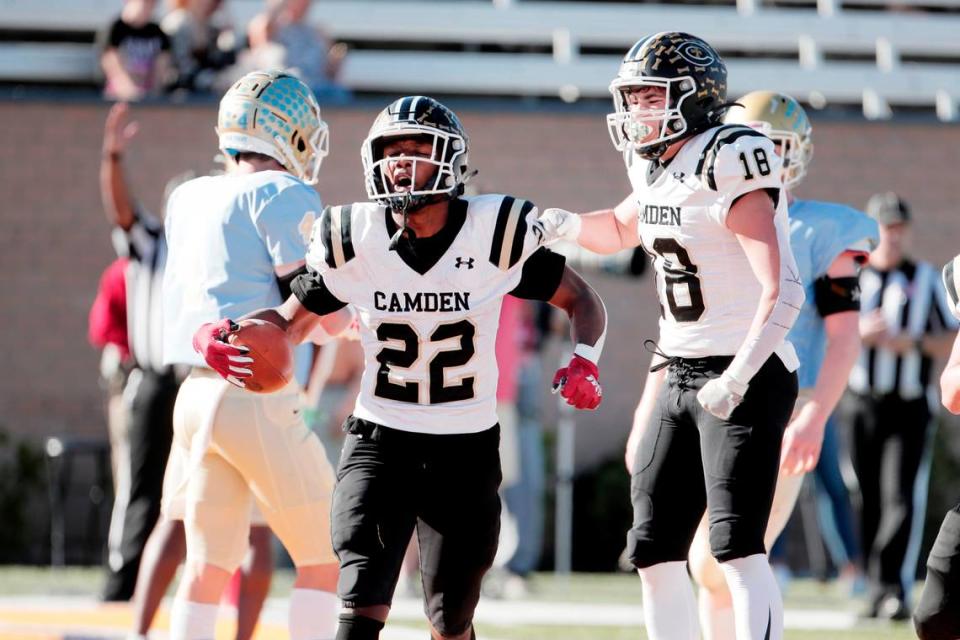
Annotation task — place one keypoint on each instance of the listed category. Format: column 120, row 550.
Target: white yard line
column 492, row 612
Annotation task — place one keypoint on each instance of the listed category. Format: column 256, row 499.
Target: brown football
column 272, row 355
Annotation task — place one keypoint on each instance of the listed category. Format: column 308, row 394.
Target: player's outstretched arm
column 232, row 362
column 604, row 231
column 838, row 303
column 300, row 323
column 579, row 381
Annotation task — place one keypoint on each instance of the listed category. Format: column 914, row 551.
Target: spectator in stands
column 905, row 323
column 202, row 42
column 135, row 56
column 280, row 36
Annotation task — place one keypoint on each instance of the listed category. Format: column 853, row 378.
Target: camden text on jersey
column 657, row 214
column 428, row 301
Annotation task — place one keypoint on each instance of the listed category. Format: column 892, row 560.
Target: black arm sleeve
column 638, row 262
column 836, row 295
column 285, row 282
column 542, row 273
column 313, row 294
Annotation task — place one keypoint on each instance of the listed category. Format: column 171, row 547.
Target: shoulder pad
column 335, row 228
column 951, row 282
column 720, row 138
column 509, row 232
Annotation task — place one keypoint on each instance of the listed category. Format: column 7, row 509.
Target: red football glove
column 579, row 383
column 228, row 360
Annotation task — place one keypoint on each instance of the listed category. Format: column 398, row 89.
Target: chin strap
column 403, row 231
column 407, row 203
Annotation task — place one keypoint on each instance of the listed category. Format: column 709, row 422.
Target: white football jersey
column 227, row 235
column 708, row 292
column 427, row 330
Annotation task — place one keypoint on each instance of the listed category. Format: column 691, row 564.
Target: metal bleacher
column 825, row 52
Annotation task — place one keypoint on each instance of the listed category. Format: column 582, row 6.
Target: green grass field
column 544, row 588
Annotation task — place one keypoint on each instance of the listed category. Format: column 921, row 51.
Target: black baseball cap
column 888, row 208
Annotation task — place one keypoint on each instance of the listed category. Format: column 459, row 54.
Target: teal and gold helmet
column 277, row 115
column 784, row 121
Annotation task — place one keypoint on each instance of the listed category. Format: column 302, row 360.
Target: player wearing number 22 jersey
column 427, row 269
column 707, row 205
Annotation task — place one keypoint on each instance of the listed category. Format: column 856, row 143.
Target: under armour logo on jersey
column 679, row 175
column 464, row 261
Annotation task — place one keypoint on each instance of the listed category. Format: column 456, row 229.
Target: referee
column 905, row 323
column 151, row 388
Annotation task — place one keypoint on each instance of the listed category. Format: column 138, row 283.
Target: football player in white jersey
column 828, row 241
column 707, row 205
column 234, row 242
column 937, row 616
column 427, row 269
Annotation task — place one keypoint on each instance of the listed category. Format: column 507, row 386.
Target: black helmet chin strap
column 654, row 152
column 403, row 204
column 406, row 203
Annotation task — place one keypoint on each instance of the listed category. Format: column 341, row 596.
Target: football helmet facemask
column 277, row 115
column 694, row 78
column 783, row 120
column 425, row 119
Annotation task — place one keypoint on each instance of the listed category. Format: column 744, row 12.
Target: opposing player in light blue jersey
column 235, row 241
column 828, row 241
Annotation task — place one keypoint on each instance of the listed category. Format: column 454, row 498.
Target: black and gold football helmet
column 695, row 79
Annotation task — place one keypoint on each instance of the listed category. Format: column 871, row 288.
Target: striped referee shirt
column 913, row 301
column 146, row 247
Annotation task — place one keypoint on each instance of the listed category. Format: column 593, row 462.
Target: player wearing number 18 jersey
column 827, row 240
column 707, row 206
column 427, row 269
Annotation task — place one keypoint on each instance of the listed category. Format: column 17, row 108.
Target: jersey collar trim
column 423, row 253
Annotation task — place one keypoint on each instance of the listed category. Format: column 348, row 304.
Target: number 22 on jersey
column 406, row 335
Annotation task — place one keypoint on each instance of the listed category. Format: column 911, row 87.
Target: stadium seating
column 828, row 52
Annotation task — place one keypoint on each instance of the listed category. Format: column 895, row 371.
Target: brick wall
column 55, row 240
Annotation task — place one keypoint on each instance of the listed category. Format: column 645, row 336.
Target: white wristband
column 587, row 352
